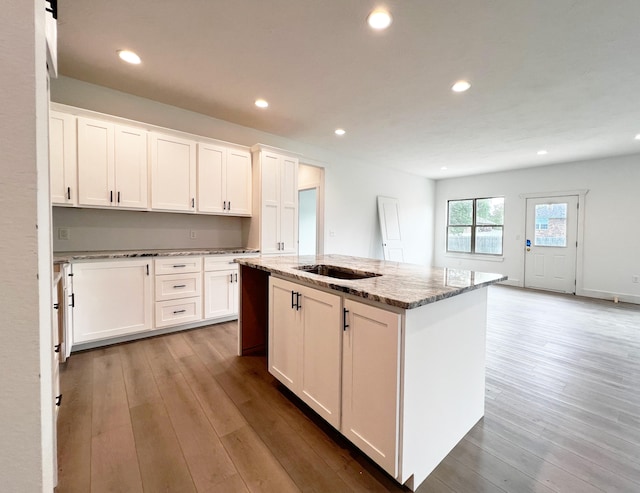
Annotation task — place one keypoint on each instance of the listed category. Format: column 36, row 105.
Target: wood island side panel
column 254, row 311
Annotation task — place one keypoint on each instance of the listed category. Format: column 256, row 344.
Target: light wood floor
column 182, row 413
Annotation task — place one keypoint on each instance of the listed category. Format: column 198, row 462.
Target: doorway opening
column 310, row 210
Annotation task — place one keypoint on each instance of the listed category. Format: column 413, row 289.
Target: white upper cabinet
column 238, row 181
column 62, row 159
column 173, row 173
column 112, row 165
column 224, row 180
column 132, row 167
column 274, row 229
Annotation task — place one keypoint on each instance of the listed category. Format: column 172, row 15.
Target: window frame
column 474, row 224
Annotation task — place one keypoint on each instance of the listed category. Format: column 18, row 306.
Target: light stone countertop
column 63, row 257
column 398, row 284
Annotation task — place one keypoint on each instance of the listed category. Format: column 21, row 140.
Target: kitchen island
column 390, row 354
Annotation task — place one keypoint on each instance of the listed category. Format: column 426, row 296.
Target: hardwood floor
column 182, row 413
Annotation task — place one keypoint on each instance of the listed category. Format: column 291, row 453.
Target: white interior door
column 551, row 243
column 389, row 216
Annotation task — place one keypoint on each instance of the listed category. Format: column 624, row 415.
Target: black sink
column 337, row 272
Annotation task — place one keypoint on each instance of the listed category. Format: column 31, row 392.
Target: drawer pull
column 179, row 266
column 175, row 312
column 180, row 286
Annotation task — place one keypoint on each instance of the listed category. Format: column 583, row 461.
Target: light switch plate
column 63, row 234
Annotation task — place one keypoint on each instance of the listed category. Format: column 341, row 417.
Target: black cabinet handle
column 235, row 277
column 178, row 311
column 178, row 266
column 147, row 269
column 56, row 306
column 230, row 278
column 298, row 305
column 176, row 286
column 345, row 325
column 193, row 202
column 73, row 300
column 229, row 207
column 56, row 348
column 111, row 196
column 224, row 205
column 118, row 197
column 293, row 303
column 68, row 193
column 59, row 400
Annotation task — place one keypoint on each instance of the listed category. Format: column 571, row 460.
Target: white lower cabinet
column 111, row 298
column 371, row 381
column 221, row 293
column 178, row 290
column 342, row 358
column 305, row 337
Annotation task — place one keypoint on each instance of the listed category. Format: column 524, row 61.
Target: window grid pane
column 476, row 226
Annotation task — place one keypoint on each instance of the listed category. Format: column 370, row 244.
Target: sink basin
column 337, row 272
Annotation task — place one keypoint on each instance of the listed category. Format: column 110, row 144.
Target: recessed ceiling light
column 261, row 103
column 443, row 168
column 340, row 131
column 461, row 86
column 379, row 19
column 542, row 152
column 637, row 137
column 129, row 57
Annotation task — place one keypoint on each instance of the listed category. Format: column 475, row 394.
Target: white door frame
column 580, row 234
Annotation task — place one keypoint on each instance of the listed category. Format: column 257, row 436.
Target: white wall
column 351, row 187
column 26, row 415
column 611, row 234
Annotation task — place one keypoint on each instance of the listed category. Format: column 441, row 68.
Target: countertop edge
column 65, row 257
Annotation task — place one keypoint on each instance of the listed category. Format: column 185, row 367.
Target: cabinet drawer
column 177, row 312
column 177, row 286
column 177, row 265
column 220, row 263
column 224, row 262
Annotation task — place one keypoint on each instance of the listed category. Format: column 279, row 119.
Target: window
column 475, row 226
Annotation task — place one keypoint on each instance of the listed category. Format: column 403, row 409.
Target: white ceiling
column 560, row 75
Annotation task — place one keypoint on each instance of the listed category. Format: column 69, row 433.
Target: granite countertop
column 397, row 284
column 62, row 257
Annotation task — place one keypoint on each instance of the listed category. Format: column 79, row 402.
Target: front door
column 551, row 243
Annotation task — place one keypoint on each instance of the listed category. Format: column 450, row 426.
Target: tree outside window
column 475, row 225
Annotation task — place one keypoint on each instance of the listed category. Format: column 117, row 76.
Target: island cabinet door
column 321, row 342
column 371, row 382
column 284, row 333
column 304, row 345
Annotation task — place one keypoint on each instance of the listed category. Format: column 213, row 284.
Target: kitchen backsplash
column 98, row 229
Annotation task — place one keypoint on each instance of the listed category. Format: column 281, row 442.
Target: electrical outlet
column 63, row 234
column 193, row 234
column 635, row 278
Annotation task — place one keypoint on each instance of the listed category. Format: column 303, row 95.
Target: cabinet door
column 131, row 168
column 270, row 220
column 284, row 333
column 111, row 298
column 95, row 163
column 238, row 182
column 62, row 159
column 371, row 382
column 321, row 350
column 219, row 287
column 211, row 163
column 173, row 173
column 289, row 205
